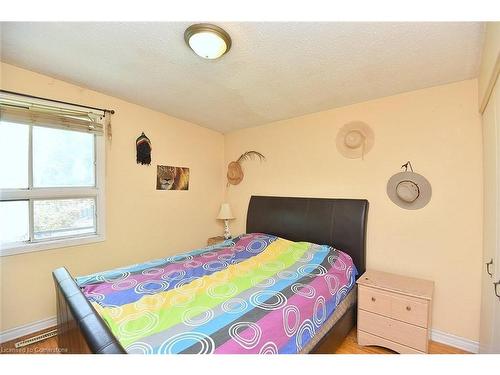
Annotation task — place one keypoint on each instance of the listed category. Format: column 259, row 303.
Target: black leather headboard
column 340, row 223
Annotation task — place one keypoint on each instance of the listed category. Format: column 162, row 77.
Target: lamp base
column 227, row 233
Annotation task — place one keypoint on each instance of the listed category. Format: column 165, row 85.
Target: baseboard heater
column 37, row 338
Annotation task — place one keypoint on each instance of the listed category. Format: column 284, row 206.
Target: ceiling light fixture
column 207, row 40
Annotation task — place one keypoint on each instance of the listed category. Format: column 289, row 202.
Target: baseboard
column 27, row 329
column 455, row 341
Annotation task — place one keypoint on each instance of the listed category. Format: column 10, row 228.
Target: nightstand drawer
column 374, row 301
column 393, row 330
column 408, row 309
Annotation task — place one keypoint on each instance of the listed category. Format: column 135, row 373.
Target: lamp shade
column 225, row 212
column 207, row 40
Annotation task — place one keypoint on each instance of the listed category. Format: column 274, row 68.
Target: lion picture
column 172, row 178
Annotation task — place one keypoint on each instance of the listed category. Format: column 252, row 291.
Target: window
column 51, row 175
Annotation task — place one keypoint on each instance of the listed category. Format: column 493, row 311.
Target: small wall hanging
column 234, row 170
column 143, row 147
column 172, row 178
column 355, row 139
column 409, row 190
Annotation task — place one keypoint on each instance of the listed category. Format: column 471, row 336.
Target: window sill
column 49, row 245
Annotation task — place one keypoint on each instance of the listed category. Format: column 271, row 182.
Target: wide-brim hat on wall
column 234, row 173
column 409, row 190
column 355, row 139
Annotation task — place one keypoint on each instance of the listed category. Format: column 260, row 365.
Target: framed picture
column 172, row 178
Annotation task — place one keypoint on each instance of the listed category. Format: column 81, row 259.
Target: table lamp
column 226, row 215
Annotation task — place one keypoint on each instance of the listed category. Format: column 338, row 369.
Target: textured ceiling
column 272, row 72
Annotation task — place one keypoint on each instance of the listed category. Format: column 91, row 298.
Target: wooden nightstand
column 394, row 311
column 215, row 240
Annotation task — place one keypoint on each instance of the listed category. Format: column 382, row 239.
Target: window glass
column 14, row 144
column 14, row 222
column 62, row 158
column 63, row 217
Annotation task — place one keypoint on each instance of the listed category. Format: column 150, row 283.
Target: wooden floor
column 349, row 346
column 48, row 346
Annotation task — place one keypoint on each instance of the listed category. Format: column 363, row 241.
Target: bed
column 293, row 230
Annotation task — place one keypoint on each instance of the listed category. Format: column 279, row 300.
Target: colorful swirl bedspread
column 256, row 293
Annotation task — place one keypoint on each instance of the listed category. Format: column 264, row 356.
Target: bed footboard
column 80, row 329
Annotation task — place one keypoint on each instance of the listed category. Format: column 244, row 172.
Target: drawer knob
column 373, row 299
column 408, row 308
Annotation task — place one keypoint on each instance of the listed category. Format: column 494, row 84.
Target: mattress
column 257, row 293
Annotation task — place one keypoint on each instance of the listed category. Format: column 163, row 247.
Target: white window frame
column 97, row 192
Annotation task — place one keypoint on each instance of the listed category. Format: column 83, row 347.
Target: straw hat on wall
column 355, row 139
column 234, row 170
column 234, row 173
column 409, row 190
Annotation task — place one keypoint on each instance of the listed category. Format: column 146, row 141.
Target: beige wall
column 490, row 56
column 142, row 223
column 439, row 130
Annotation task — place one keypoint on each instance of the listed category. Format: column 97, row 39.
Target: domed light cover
column 207, row 40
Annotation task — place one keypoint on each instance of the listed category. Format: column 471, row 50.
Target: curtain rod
column 111, row 111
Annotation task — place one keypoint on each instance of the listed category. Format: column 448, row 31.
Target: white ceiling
column 272, row 72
